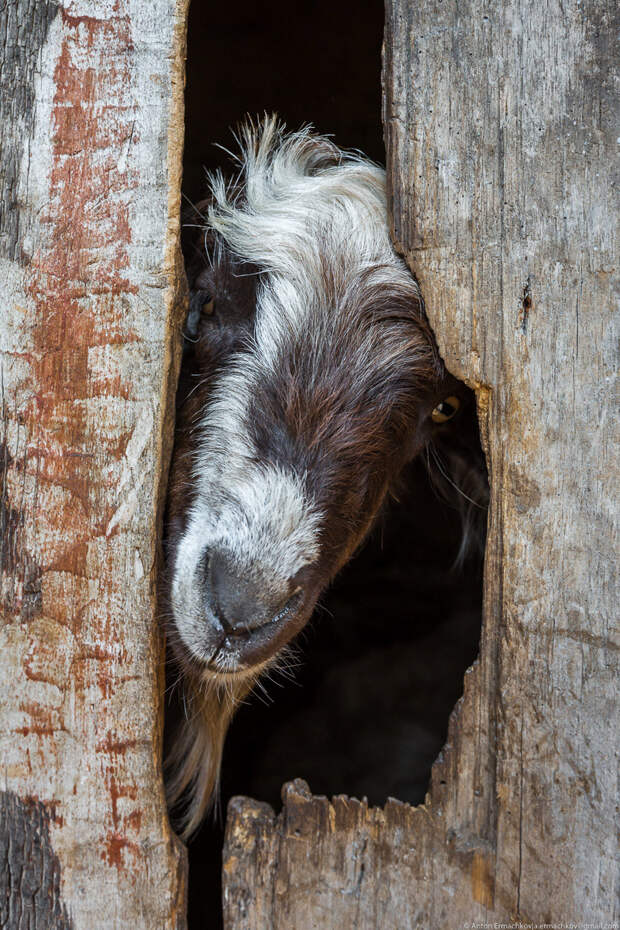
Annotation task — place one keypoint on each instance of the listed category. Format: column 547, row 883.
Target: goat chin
column 193, row 765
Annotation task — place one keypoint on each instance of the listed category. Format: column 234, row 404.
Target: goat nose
column 243, row 603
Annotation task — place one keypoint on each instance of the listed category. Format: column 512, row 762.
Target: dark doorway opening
column 381, row 664
column 313, row 62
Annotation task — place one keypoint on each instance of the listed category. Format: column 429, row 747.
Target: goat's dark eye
column 208, row 307
column 445, row 410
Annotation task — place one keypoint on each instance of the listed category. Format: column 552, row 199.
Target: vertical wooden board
column 500, row 137
column 501, row 130
column 91, row 149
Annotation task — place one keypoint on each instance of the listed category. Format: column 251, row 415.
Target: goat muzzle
column 256, row 613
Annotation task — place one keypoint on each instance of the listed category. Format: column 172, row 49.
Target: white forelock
column 288, row 196
column 302, row 211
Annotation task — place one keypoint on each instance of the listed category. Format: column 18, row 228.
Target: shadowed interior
column 380, row 667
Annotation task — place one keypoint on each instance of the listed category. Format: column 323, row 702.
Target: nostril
column 222, row 589
column 246, row 601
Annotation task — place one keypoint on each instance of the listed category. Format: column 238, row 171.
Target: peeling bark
column 30, row 896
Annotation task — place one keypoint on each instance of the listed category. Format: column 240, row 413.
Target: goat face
column 314, row 377
column 317, row 374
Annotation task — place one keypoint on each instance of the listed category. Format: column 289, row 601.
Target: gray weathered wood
column 92, row 113
column 500, row 143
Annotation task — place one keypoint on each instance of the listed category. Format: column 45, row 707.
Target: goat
column 316, row 380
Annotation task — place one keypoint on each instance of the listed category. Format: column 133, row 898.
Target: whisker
column 193, row 206
column 451, row 482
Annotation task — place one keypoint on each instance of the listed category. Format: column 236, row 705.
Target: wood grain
column 500, row 136
column 91, row 150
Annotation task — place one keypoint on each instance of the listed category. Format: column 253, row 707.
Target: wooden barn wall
column 500, row 135
column 92, row 129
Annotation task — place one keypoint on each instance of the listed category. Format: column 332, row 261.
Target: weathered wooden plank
column 92, row 113
column 507, row 133
column 500, row 135
column 322, row 864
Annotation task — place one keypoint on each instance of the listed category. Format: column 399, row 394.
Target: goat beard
column 195, row 759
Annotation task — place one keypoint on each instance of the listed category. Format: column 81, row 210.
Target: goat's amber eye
column 208, row 307
column 445, row 410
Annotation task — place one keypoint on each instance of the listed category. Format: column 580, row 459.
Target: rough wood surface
column 500, row 140
column 91, row 105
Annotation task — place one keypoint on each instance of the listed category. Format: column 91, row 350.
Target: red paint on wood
column 45, row 721
column 113, row 745
column 80, row 282
column 123, row 823
column 114, row 846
